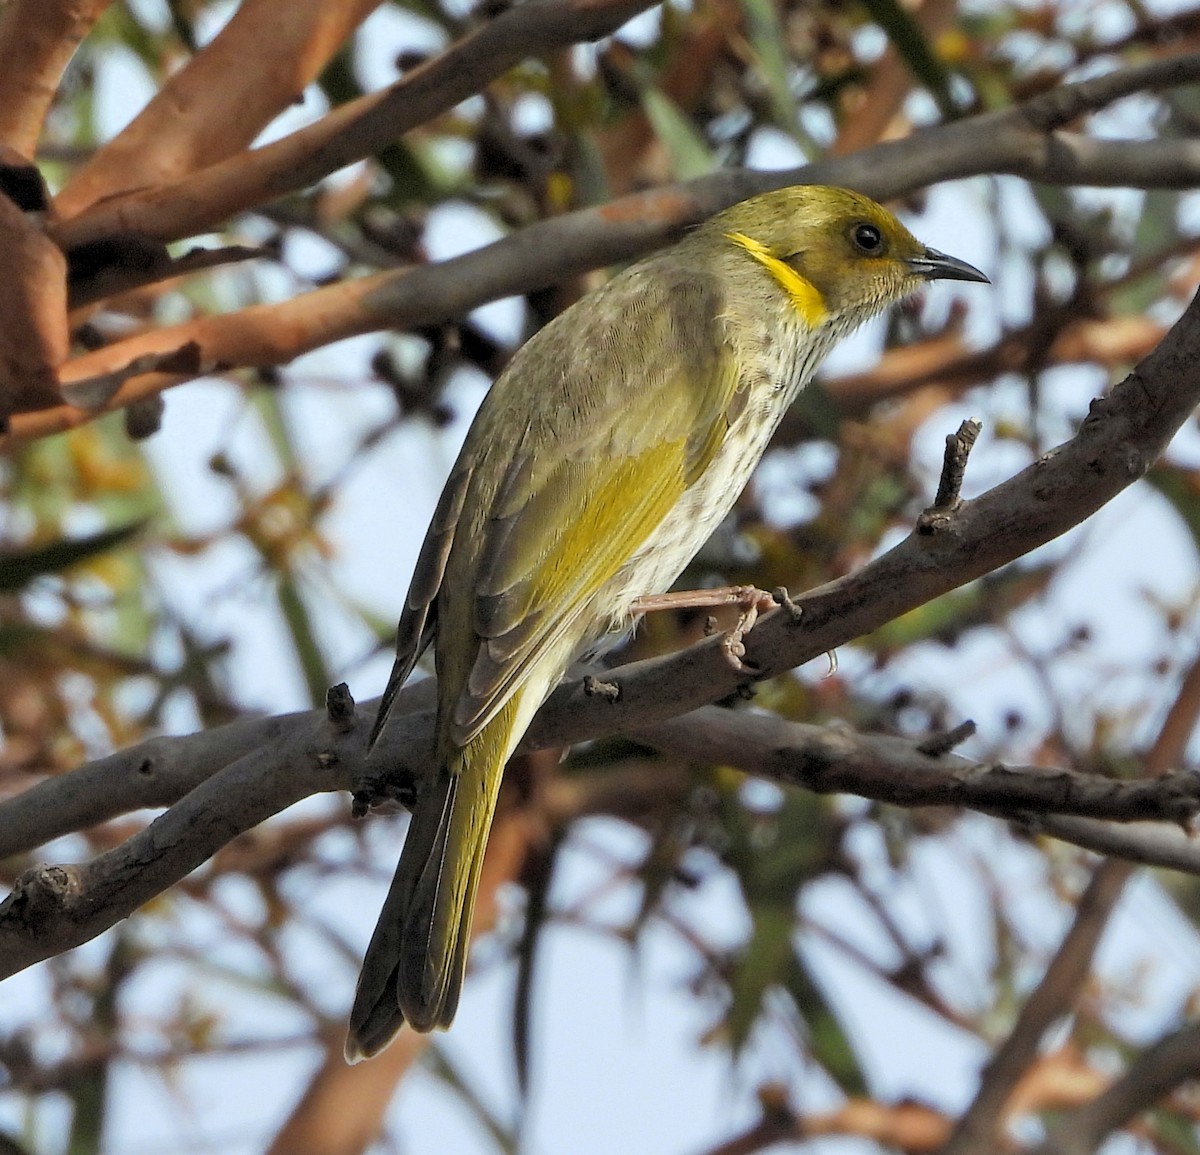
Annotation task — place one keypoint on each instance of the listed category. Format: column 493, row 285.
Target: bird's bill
column 935, row 266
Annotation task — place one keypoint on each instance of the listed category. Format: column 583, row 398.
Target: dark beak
column 935, row 266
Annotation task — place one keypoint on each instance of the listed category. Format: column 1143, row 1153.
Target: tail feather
column 445, row 986
column 376, row 1016
column 414, row 966
column 433, row 918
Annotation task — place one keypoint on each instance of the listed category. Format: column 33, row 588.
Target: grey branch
column 1026, row 140
column 154, row 773
column 838, row 760
column 54, row 908
column 219, row 783
column 552, row 250
column 1148, row 843
column 954, row 469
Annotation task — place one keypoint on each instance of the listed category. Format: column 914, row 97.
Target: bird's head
column 833, row 251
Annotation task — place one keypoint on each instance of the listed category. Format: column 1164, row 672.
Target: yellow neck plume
column 804, row 295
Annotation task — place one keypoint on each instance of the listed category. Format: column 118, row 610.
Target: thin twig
column 954, row 465
column 1157, row 1072
column 975, row 1133
column 1053, row 997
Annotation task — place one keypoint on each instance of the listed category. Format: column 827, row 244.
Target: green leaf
column 1157, row 230
column 182, row 24
column 689, row 152
column 415, row 175
column 660, row 868
column 910, row 42
column 760, row 966
column 764, row 31
column 828, row 1042
column 1181, row 487
column 316, row 674
column 19, row 567
column 337, row 81
column 774, row 854
column 1173, row 1132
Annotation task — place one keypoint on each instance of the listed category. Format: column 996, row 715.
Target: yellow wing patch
column 805, row 296
column 612, row 516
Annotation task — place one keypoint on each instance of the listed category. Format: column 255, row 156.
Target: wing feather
column 418, row 619
column 589, row 480
column 560, row 567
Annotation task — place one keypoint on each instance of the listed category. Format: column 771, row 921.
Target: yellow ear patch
column 804, row 294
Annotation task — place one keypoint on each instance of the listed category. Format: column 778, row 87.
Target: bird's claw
column 781, row 598
column 750, row 600
column 734, row 651
column 753, row 602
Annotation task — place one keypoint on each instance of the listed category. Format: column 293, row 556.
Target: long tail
column 414, row 966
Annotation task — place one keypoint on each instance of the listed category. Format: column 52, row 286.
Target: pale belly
column 691, row 522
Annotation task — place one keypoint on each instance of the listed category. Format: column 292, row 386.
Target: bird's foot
column 750, row 600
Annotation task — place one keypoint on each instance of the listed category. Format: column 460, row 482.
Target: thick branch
column 1021, row 140
column 1016, row 140
column 164, row 770
column 356, row 130
column 834, row 760
column 37, row 40
column 560, row 247
column 215, row 106
column 908, row 1127
column 222, row 782
column 1146, row 843
column 54, row 908
column 154, row 773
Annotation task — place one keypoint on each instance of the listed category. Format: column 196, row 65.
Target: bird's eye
column 868, row 239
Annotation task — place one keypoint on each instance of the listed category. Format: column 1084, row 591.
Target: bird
column 616, row 440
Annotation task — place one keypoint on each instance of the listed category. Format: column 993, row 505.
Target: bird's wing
column 641, row 390
column 418, row 619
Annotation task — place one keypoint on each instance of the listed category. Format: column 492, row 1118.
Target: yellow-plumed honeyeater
column 607, row 452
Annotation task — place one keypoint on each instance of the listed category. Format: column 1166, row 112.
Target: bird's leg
column 749, row 599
